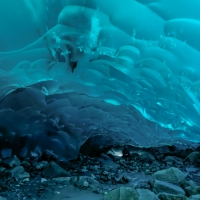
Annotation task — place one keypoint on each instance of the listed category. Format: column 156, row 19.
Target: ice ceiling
column 127, row 71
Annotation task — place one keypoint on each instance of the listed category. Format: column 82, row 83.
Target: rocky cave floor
column 166, row 173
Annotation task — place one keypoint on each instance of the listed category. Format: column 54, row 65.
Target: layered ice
column 71, row 70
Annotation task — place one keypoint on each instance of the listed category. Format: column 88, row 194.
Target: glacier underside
column 70, row 70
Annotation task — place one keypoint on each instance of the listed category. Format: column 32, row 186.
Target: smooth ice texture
column 71, row 70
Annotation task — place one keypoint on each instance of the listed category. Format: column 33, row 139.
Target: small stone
column 94, row 184
column 26, row 180
column 105, row 173
column 93, row 176
column 117, row 179
column 82, row 182
column 97, row 191
column 125, row 179
column 122, row 162
column 25, row 164
column 62, row 180
column 73, row 179
column 21, row 176
column 56, row 192
column 43, row 180
column 147, row 171
column 169, row 159
column 41, row 165
column 6, row 153
column 85, row 184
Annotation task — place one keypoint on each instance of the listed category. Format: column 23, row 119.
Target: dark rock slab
column 11, row 162
column 53, row 170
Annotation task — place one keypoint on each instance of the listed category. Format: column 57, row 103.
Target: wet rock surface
column 163, row 173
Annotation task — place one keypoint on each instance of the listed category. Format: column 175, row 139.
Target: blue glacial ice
column 71, row 70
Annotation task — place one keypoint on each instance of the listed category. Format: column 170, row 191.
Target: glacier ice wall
column 71, row 70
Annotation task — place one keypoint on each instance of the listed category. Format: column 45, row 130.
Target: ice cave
column 88, row 75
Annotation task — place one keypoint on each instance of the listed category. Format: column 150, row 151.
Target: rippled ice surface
column 120, row 72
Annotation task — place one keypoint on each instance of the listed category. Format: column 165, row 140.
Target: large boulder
column 193, row 157
column 184, row 153
column 17, row 172
column 122, row 193
column 194, row 197
column 11, row 162
column 171, row 175
column 3, row 198
column 192, row 190
column 53, row 170
column 129, row 193
column 160, row 186
column 145, row 194
column 167, row 196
